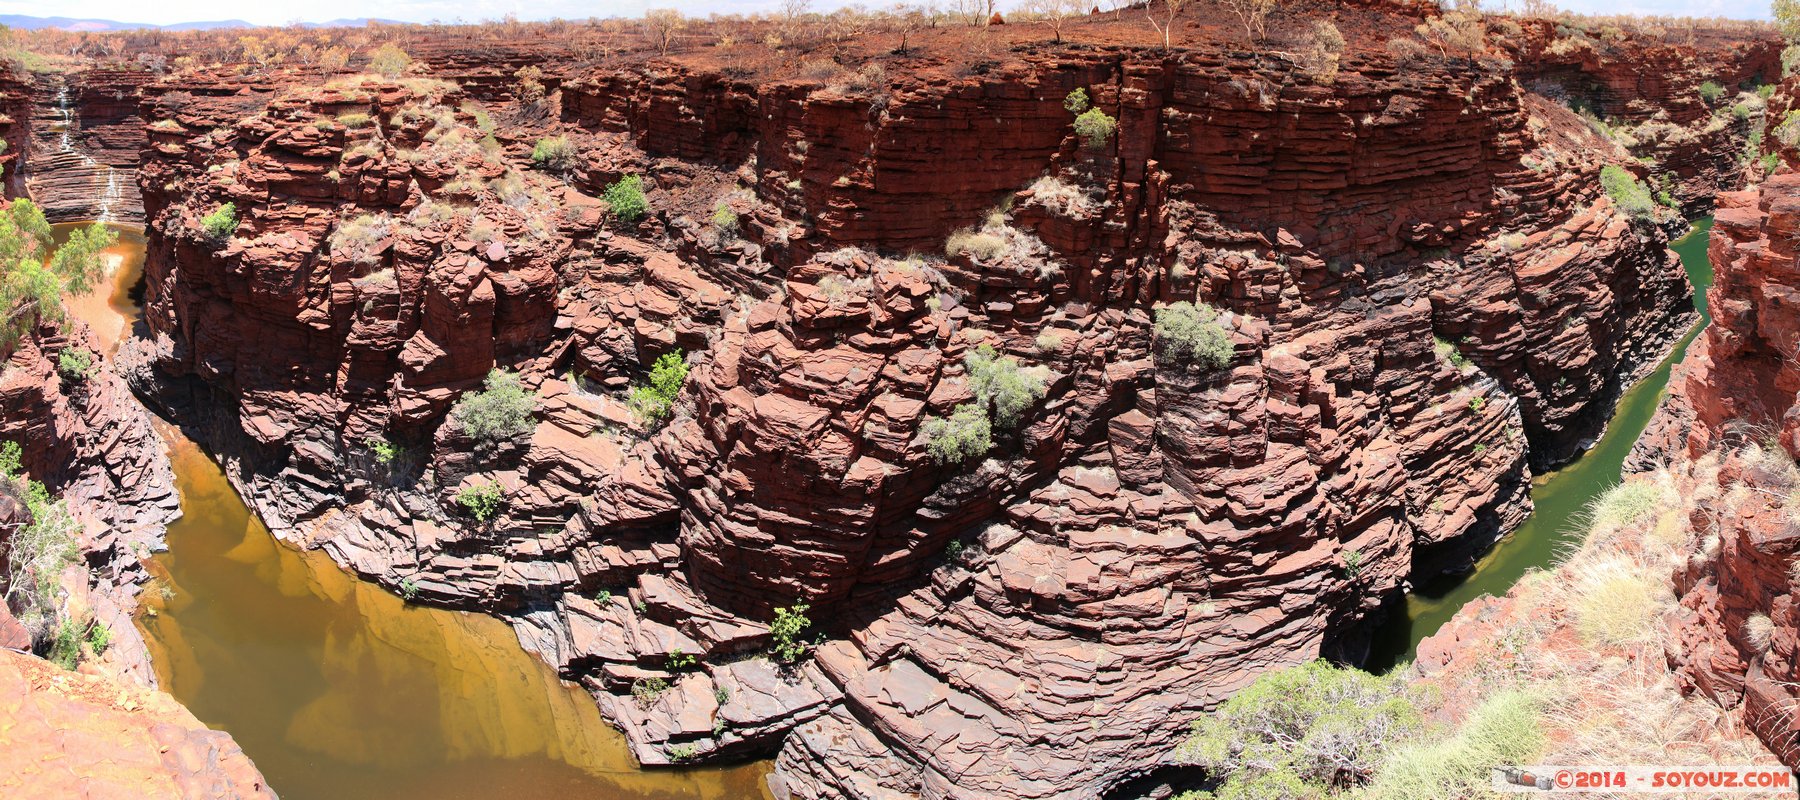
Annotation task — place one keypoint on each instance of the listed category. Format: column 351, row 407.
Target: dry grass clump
column 357, row 239
column 1759, row 632
column 1061, row 197
column 1617, row 602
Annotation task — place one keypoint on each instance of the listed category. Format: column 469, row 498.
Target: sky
column 276, row 12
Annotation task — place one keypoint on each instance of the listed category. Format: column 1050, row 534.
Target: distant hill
column 30, row 23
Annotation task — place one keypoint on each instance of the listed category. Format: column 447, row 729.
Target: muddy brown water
column 337, row 688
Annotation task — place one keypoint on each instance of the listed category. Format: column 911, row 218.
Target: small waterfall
column 111, row 196
column 107, row 186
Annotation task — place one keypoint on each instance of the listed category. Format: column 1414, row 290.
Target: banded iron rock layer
column 1739, row 386
column 1147, row 541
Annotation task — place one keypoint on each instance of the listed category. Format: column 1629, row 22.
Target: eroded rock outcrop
column 1042, row 622
column 71, row 734
column 1734, row 639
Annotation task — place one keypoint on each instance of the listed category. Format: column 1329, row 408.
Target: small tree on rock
column 1191, row 334
column 389, row 60
column 500, row 411
column 663, row 24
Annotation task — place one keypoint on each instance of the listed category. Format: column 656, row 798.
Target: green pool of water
column 1559, row 498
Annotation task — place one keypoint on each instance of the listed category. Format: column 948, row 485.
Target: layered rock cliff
column 1041, row 622
column 85, row 139
column 1734, row 638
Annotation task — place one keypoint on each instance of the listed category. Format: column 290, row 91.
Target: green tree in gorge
column 34, row 274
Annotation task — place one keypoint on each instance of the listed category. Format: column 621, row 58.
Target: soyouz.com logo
column 1639, row 778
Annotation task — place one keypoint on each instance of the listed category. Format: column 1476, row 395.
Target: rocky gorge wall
column 1734, row 638
column 85, row 139
column 1148, row 538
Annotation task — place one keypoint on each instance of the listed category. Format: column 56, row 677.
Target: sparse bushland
column 1310, row 727
column 500, row 411
column 1564, row 672
column 626, row 199
column 653, row 403
column 1192, row 334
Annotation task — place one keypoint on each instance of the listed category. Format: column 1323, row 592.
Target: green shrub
column 99, row 638
column 32, row 280
column 1504, row 729
column 500, row 411
column 1353, row 563
column 221, row 223
column 1095, row 128
column 653, row 402
column 999, row 382
column 1449, row 353
column 409, row 589
column 36, row 555
column 1076, row 101
column 626, row 199
column 10, row 453
column 786, row 632
column 481, row 500
column 1301, row 730
column 75, row 363
column 1711, row 92
column 1740, row 112
column 65, row 644
column 1189, row 333
column 682, row 752
column 389, row 60
column 1627, row 192
column 556, row 154
column 646, row 690
column 725, row 219
column 384, row 450
column 966, row 434
column 679, row 661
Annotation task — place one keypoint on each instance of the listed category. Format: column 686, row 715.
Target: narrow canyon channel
column 337, row 688
column 1559, row 498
